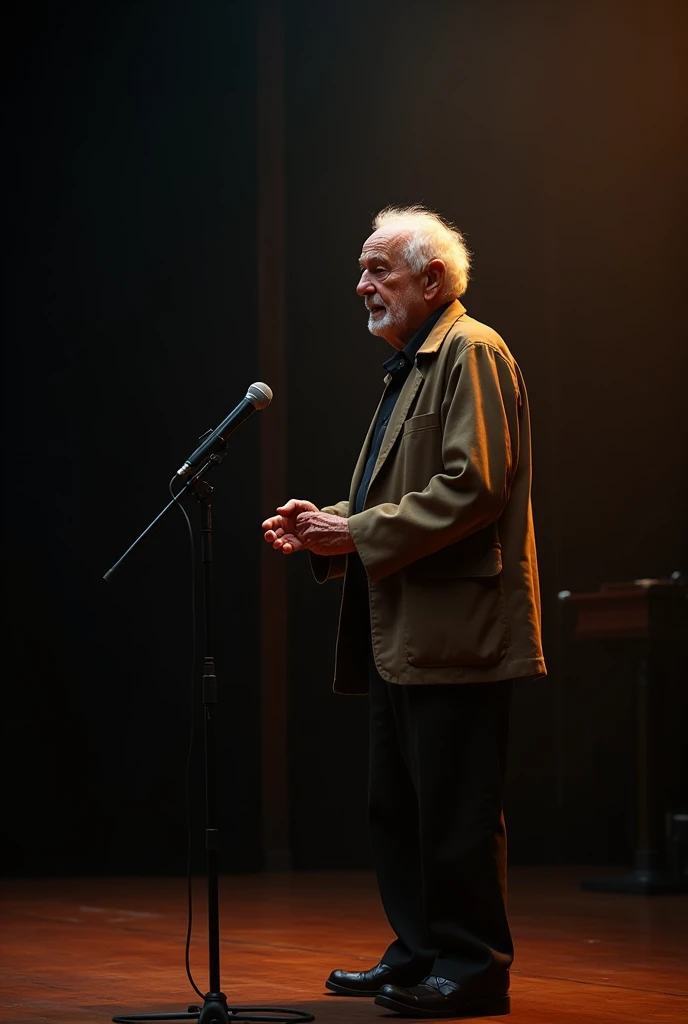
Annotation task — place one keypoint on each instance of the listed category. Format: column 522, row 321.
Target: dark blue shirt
column 398, row 367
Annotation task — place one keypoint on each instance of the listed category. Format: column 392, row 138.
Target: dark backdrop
column 131, row 295
column 552, row 134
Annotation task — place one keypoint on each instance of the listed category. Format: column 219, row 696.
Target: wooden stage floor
column 81, row 950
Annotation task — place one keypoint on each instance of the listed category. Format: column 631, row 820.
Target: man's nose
column 365, row 286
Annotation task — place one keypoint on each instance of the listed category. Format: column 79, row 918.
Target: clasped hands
column 300, row 525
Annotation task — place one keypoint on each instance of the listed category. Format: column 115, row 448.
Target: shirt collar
column 404, row 359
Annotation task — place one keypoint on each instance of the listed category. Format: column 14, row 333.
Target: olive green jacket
column 446, row 534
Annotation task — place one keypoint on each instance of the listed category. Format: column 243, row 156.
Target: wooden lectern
column 654, row 612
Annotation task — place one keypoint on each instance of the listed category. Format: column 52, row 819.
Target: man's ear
column 435, row 273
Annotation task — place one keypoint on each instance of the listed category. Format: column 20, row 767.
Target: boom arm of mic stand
column 190, row 484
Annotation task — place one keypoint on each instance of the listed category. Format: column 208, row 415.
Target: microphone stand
column 215, row 1009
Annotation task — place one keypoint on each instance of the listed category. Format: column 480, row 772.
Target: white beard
column 380, row 326
column 377, row 326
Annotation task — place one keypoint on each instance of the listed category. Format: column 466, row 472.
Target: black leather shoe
column 369, row 983
column 438, row 997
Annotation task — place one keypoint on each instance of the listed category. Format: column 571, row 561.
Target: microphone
column 257, row 397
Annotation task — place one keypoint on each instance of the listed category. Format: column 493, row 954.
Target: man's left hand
column 324, row 534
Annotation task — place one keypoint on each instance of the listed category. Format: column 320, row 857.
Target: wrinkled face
column 393, row 293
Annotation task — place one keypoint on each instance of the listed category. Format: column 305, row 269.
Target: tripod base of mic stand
column 216, row 1011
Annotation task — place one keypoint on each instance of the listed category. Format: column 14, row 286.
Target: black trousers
column 437, row 760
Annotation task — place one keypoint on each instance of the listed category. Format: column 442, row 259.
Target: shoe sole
column 498, row 1007
column 342, row 990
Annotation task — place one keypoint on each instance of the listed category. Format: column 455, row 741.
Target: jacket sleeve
column 480, row 437
column 326, row 567
column 340, row 509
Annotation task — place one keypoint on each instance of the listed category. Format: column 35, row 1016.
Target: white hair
column 430, row 237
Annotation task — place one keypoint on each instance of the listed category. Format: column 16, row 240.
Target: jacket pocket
column 422, row 422
column 419, row 456
column 455, row 615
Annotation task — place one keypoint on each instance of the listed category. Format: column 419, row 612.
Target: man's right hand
column 280, row 530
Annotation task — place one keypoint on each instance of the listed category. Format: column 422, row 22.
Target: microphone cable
column 189, row 926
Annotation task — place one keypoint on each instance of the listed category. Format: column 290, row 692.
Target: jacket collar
column 403, row 403
column 433, row 342
column 439, row 332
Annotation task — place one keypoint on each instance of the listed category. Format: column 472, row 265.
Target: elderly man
column 440, row 612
